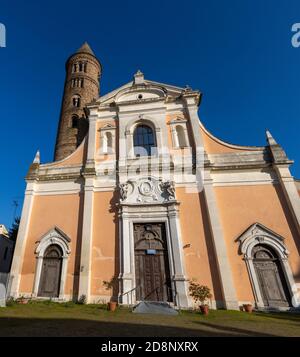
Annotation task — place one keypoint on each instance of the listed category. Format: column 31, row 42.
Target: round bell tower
column 82, row 85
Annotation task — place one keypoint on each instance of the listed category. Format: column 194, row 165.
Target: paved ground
column 52, row 319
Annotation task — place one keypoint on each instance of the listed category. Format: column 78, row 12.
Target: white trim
column 258, row 234
column 244, row 177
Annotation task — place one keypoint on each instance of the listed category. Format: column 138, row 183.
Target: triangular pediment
column 55, row 231
column 258, row 229
column 54, row 236
column 257, row 233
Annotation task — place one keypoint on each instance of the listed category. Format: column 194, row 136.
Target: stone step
column 154, row 307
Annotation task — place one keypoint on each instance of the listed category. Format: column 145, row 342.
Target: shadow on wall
column 217, row 290
column 288, row 216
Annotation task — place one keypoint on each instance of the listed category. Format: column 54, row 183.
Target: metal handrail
column 170, row 292
column 129, row 292
column 156, row 290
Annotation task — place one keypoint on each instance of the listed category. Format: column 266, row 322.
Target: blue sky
column 238, row 53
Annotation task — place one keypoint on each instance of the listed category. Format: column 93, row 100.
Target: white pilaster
column 290, row 192
column 126, row 276
column 87, row 240
column 87, row 220
column 227, row 283
column 91, row 140
column 15, row 273
column 37, row 277
column 178, row 278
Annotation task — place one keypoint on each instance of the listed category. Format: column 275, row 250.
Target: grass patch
column 48, row 318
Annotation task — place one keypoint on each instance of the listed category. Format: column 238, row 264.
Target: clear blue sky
column 238, row 53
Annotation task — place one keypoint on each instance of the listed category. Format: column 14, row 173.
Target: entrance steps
column 154, row 307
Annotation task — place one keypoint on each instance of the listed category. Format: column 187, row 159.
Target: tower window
column 77, row 82
column 85, row 66
column 76, row 101
column 144, row 141
column 80, row 66
column 75, row 121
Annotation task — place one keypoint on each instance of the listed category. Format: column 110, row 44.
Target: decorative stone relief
column 147, row 190
column 169, row 188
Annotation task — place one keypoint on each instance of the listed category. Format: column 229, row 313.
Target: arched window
column 107, row 143
column 74, row 121
column 76, row 101
column 74, row 67
column 144, row 141
column 180, row 136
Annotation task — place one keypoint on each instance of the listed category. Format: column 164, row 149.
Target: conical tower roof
column 85, row 48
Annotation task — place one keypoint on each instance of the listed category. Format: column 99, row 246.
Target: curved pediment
column 140, row 93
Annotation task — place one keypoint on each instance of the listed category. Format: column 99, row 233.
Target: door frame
column 43, row 272
column 280, row 278
column 165, row 255
column 151, row 213
column 259, row 234
column 53, row 237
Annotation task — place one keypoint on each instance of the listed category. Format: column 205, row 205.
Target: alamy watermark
column 296, row 37
column 2, row 35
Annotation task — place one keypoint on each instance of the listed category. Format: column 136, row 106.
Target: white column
column 126, row 276
column 15, row 272
column 91, row 141
column 290, row 192
column 227, row 283
column 63, row 277
column 37, row 278
column 87, row 240
column 178, row 274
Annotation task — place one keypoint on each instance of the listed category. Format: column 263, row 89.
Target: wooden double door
column 51, row 272
column 270, row 276
column 151, row 263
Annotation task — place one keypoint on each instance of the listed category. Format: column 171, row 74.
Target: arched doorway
column 152, row 272
column 51, row 272
column 270, row 276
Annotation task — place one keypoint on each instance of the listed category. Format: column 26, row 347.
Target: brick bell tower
column 83, row 72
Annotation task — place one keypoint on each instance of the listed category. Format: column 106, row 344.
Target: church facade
column 141, row 194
